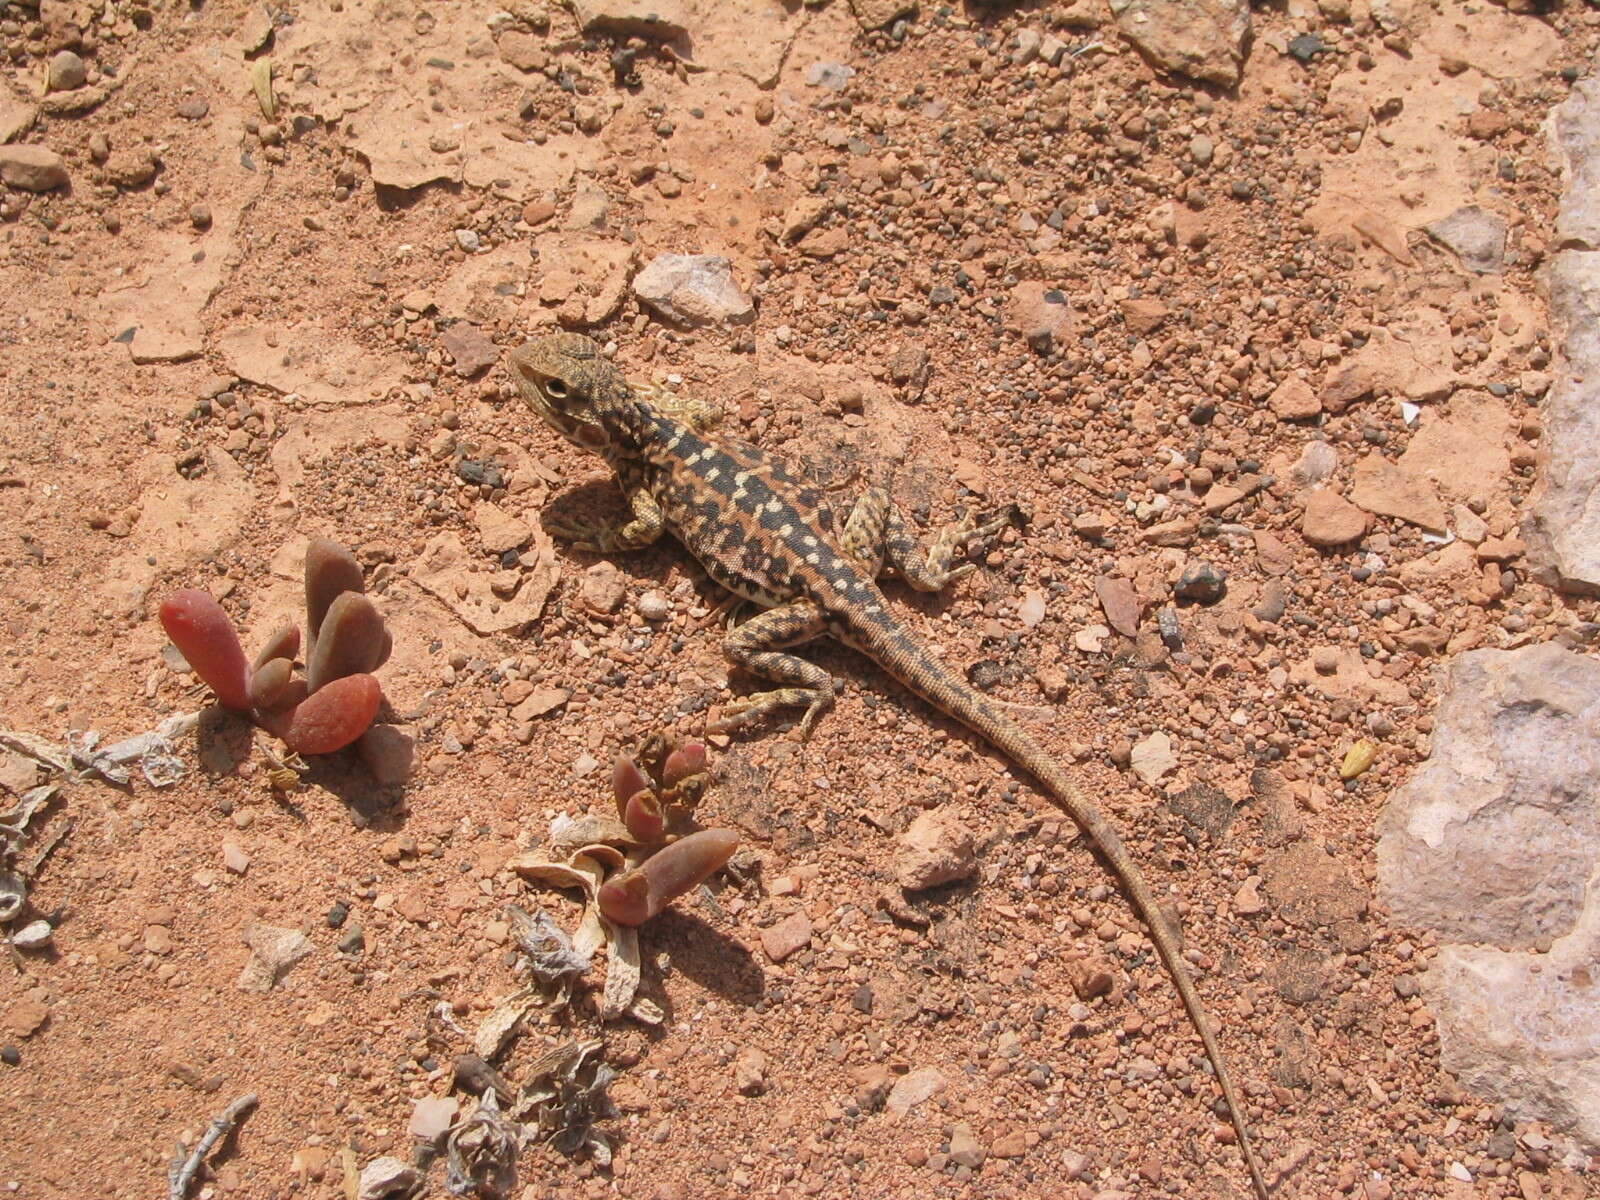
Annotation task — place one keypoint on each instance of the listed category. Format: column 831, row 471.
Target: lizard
column 773, row 539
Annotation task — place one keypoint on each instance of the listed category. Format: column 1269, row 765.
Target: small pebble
column 67, row 72
column 1202, row 582
column 467, row 239
column 11, row 1056
column 654, row 606
column 35, row 935
column 337, row 915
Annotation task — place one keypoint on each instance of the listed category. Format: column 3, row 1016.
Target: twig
column 182, row 1171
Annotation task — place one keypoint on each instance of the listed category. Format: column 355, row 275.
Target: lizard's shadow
column 593, row 498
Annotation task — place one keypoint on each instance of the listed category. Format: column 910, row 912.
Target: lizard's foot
column 601, row 537
column 582, row 535
column 932, row 572
column 745, row 710
column 727, row 611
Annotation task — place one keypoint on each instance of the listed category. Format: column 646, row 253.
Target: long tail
column 893, row 648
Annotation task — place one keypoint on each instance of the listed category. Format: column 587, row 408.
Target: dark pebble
column 472, row 471
column 354, row 941
column 11, row 1056
column 1503, row 1144
column 1202, row 582
column 984, row 674
column 1202, row 414
column 1305, row 47
column 862, row 999
column 337, row 915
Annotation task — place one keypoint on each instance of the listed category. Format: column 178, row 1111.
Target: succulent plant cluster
column 336, row 701
column 655, row 801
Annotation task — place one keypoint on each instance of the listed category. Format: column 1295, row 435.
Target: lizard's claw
column 742, row 710
column 820, row 704
column 579, row 534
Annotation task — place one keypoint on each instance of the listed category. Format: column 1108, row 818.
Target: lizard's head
column 574, row 389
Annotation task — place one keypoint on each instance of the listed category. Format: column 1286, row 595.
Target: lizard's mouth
column 585, row 434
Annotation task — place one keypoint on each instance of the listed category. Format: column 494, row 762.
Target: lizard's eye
column 556, row 389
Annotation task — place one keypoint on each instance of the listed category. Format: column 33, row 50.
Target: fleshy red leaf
column 626, row 780
column 633, row 898
column 330, row 571
column 205, row 635
column 331, row 719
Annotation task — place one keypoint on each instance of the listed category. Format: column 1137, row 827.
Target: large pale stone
column 1572, row 129
column 1203, row 39
column 936, row 849
column 693, row 290
column 1494, row 847
column 1563, row 525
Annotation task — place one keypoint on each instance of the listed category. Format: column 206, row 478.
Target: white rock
column 1493, row 847
column 35, row 935
column 654, row 605
column 1563, row 527
column 431, row 1117
column 935, row 850
column 234, row 858
column 911, row 1090
column 1153, row 758
column 1475, row 236
column 386, row 1178
column 1573, row 129
column 274, row 951
column 694, row 290
column 1203, row 39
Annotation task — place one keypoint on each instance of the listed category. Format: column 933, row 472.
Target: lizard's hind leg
column 876, row 531
column 757, row 646
column 866, row 528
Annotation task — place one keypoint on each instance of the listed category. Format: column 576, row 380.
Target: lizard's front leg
column 757, row 647
column 875, row 530
column 606, row 537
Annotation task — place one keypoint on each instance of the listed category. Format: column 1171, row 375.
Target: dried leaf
column 495, row 1031
column 261, row 83
column 622, row 969
column 556, row 874
column 13, row 893
column 51, row 754
column 570, row 835
column 591, row 932
column 481, row 1155
column 562, row 1099
column 551, row 954
column 647, row 1012
column 83, row 745
column 14, row 823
